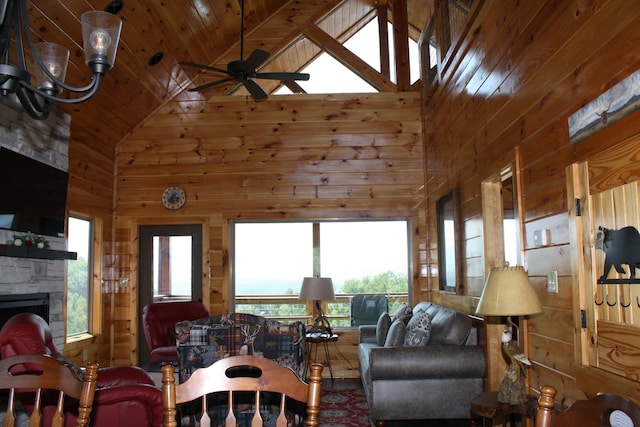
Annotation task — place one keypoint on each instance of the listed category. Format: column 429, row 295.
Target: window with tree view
column 270, row 259
column 78, row 276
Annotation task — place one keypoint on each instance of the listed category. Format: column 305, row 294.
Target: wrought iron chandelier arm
column 32, row 105
column 18, row 31
column 92, row 88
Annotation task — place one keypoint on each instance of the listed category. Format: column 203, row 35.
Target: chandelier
column 100, row 34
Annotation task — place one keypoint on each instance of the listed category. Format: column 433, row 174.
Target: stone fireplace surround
column 48, row 142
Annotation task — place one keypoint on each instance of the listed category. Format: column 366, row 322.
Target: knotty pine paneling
column 524, row 69
column 289, row 157
column 90, row 194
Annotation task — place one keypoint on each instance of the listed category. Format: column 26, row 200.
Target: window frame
column 94, row 263
column 315, row 250
column 447, row 207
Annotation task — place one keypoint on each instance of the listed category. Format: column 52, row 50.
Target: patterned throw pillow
column 418, row 330
column 403, row 313
column 395, row 336
column 384, row 321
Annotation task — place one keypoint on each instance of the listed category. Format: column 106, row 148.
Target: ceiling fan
column 244, row 70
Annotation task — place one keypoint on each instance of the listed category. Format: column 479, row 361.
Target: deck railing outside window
column 289, row 308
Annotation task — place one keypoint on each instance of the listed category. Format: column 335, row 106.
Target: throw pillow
column 418, row 330
column 395, row 336
column 403, row 313
column 384, row 321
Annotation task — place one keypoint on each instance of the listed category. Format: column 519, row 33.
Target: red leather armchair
column 159, row 324
column 125, row 395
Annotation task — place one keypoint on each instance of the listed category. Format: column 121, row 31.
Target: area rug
column 344, row 408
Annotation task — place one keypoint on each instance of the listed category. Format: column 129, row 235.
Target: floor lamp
column 318, row 289
column 507, row 292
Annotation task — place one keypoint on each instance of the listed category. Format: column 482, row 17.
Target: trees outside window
column 78, row 276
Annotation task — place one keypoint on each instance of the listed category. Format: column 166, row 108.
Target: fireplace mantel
column 23, row 252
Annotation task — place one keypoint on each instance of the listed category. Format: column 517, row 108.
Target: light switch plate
column 542, row 237
column 552, row 281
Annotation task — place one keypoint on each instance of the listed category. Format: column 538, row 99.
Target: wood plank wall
column 525, row 67
column 90, row 195
column 290, row 157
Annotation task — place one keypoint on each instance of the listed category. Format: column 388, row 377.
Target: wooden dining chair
column 242, row 374
column 611, row 410
column 43, row 375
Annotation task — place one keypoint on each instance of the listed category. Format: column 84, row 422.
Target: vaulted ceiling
column 202, row 31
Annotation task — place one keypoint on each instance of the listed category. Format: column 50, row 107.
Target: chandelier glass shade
column 100, row 33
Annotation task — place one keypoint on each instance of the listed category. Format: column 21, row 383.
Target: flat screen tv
column 34, row 195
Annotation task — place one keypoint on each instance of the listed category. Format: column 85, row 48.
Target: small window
column 170, row 255
column 448, row 246
column 79, row 273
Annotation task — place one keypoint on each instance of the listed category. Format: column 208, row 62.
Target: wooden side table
column 487, row 406
column 315, row 339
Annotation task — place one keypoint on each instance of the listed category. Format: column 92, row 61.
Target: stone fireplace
column 28, row 281
column 25, row 283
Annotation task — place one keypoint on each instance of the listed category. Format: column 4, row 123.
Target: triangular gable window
column 329, row 76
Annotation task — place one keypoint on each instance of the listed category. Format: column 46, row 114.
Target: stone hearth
column 48, row 142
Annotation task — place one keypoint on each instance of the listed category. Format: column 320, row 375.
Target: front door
column 170, row 268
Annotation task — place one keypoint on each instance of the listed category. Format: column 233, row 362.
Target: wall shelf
column 23, row 252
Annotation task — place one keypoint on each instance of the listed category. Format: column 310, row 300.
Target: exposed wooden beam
column 401, row 44
column 348, row 59
column 383, row 35
column 294, row 87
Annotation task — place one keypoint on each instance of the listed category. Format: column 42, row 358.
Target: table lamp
column 507, row 292
column 318, row 289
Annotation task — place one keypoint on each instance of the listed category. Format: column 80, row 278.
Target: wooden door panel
column 615, row 307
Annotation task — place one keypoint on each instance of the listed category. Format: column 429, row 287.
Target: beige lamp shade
column 507, row 292
column 317, row 289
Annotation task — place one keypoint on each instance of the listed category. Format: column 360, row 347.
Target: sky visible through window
column 273, row 258
column 330, row 76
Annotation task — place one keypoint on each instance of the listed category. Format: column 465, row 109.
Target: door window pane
column 172, row 266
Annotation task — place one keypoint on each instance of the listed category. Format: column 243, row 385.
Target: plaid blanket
column 202, row 342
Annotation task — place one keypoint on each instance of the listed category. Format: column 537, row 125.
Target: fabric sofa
column 201, row 342
column 407, row 377
column 159, row 324
column 125, row 395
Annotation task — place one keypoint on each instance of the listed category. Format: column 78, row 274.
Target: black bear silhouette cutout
column 621, row 247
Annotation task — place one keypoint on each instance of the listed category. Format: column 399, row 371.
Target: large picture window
column 363, row 258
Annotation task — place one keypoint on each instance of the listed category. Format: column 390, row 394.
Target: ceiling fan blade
column 256, row 58
column 256, row 91
column 283, row 76
column 210, row 84
column 203, row 67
